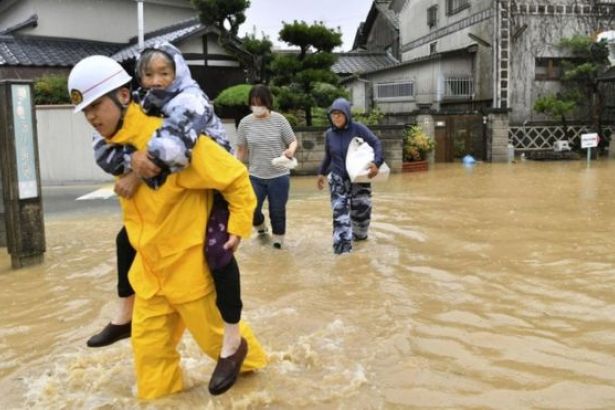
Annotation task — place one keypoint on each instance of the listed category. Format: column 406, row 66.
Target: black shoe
column 110, row 334
column 226, row 371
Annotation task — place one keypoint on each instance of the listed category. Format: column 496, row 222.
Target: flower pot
column 414, row 166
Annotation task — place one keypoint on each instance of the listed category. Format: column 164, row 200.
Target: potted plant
column 417, row 145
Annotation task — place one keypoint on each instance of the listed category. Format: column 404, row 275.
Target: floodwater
column 490, row 287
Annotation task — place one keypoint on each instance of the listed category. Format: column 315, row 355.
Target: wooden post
column 19, row 166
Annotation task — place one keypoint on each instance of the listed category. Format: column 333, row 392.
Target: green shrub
column 368, row 118
column 291, row 118
column 417, row 144
column 51, row 89
column 235, row 96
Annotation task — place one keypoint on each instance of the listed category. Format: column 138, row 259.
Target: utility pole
column 140, row 24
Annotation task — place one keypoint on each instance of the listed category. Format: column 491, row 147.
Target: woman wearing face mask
column 261, row 137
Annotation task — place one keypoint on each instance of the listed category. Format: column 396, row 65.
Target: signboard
column 24, row 141
column 589, row 140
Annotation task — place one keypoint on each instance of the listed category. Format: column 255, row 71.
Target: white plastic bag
column 284, row 162
column 360, row 154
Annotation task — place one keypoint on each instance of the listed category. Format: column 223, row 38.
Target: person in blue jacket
column 351, row 202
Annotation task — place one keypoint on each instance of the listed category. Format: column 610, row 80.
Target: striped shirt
column 266, row 139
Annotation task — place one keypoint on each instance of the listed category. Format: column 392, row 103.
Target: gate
column 459, row 135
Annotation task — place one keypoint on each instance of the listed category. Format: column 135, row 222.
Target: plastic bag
column 284, row 162
column 360, row 154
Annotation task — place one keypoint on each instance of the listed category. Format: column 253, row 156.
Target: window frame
column 399, row 97
column 467, row 79
column 455, row 6
column 553, row 69
column 432, row 16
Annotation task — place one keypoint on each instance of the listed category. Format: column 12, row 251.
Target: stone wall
column 497, row 129
column 311, row 147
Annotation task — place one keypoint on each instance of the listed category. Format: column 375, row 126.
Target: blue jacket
column 337, row 141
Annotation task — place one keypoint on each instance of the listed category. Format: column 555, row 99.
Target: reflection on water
column 484, row 288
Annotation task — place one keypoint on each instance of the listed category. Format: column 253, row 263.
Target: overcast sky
column 267, row 16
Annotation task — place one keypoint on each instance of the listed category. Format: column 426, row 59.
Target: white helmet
column 93, row 77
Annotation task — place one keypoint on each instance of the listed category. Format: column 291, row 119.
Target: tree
column 260, row 49
column 557, row 106
column 222, row 13
column 304, row 80
column 580, row 73
column 227, row 16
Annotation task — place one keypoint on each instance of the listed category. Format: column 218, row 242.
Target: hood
column 343, row 105
column 183, row 78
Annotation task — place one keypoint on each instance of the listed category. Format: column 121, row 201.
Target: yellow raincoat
column 170, row 277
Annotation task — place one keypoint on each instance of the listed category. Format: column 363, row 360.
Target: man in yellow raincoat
column 171, row 280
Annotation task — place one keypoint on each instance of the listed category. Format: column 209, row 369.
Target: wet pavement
column 490, row 287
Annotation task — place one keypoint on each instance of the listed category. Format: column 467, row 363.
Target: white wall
column 100, row 20
column 65, row 146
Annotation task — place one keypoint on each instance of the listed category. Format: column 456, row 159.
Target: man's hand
column 143, row 166
column 320, row 183
column 233, row 243
column 127, row 185
column 373, row 171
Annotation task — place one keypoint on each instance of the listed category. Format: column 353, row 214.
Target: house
column 463, row 59
column 49, row 36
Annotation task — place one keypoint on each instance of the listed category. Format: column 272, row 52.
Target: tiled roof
column 471, row 49
column 49, row 52
column 172, row 34
column 359, row 62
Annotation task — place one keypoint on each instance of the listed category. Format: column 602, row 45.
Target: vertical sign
column 589, row 141
column 23, row 225
column 24, row 141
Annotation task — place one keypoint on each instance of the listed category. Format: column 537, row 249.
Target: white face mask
column 259, row 110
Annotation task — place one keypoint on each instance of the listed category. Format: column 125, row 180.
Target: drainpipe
column 140, row 24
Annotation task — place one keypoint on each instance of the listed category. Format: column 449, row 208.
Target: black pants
column 125, row 254
column 226, row 280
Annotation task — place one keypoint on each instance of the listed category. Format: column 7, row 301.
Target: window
column 432, row 16
column 388, row 91
column 433, row 47
column 458, row 87
column 547, row 69
column 455, row 6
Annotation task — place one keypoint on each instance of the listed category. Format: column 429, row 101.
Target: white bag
column 284, row 162
column 360, row 154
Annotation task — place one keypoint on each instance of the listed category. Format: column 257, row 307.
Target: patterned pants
column 352, row 210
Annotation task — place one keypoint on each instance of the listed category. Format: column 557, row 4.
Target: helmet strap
column 122, row 107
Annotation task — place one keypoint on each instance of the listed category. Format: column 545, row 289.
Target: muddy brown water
column 484, row 287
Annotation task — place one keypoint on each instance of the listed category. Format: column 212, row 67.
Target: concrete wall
column 66, row 156
column 497, row 130
column 65, row 146
column 116, row 20
column 311, row 151
column 415, row 35
column 540, row 38
column 65, row 150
